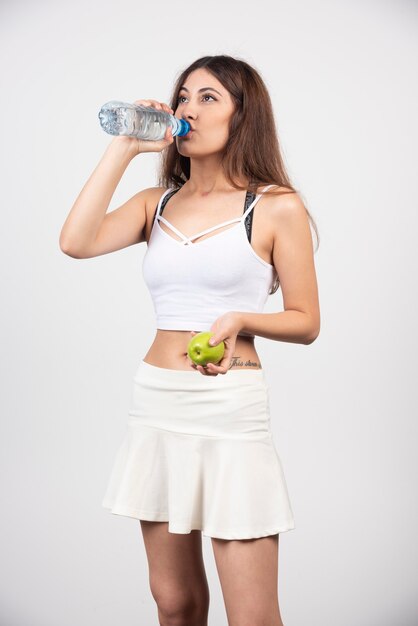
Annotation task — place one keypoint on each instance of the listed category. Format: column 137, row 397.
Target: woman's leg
column 177, row 575
column 248, row 572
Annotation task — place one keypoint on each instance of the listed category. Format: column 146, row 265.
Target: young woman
column 198, row 455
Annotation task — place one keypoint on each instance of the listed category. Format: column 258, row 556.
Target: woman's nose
column 188, row 110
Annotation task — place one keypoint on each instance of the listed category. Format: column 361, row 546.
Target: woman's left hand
column 226, row 329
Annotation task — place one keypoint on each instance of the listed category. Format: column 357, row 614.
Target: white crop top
column 192, row 284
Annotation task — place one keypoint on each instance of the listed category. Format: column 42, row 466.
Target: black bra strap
column 250, row 197
column 164, row 202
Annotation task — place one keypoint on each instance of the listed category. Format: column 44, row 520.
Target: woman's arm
column 86, row 217
column 294, row 263
column 291, row 326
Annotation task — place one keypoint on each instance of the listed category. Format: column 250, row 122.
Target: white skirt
column 198, row 453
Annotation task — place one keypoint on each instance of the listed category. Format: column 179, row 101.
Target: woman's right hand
column 140, row 145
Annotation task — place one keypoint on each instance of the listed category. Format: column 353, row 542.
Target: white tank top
column 192, row 284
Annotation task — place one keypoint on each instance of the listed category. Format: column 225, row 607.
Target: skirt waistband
column 234, row 404
column 237, row 375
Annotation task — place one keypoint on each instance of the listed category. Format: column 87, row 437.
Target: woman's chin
column 185, row 150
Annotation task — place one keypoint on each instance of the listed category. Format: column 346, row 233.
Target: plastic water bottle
column 137, row 120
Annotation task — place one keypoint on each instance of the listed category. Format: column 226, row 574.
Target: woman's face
column 208, row 107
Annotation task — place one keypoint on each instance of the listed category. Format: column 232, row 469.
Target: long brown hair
column 252, row 153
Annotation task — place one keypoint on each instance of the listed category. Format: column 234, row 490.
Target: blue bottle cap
column 184, row 128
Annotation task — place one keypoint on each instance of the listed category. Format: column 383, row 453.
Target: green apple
column 201, row 352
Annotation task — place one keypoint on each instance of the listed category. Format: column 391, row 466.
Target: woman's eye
column 206, row 95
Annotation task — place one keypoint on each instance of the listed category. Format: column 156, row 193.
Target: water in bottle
column 137, row 120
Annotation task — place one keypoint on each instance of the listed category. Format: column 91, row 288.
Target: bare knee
column 180, row 606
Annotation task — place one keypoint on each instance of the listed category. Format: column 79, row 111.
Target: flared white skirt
column 198, row 453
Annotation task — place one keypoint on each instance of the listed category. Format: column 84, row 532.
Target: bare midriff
column 169, row 350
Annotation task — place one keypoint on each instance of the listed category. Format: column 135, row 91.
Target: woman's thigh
column 248, row 573
column 176, row 568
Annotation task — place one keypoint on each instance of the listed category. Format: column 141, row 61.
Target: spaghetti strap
column 254, row 202
column 161, row 201
column 179, row 233
column 209, row 230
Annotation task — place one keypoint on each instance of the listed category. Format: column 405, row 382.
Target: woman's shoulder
column 153, row 197
column 155, row 193
column 279, row 198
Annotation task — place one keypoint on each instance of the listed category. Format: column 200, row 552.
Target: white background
column 342, row 78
